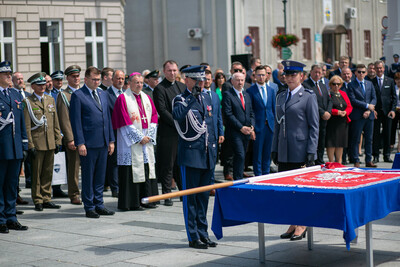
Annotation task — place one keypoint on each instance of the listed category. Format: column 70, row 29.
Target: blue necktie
column 5, row 92
column 362, row 87
column 289, row 97
column 264, row 95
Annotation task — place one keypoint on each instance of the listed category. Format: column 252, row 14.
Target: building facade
column 194, row 31
column 51, row 35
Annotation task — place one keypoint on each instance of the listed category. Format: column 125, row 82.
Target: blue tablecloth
column 329, row 208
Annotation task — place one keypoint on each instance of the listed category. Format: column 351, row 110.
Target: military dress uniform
column 73, row 161
column 44, row 139
column 197, row 154
column 13, row 141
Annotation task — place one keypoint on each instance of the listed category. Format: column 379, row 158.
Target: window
column 306, row 32
column 51, row 46
column 349, row 43
column 255, row 47
column 367, row 43
column 95, row 40
column 280, row 30
column 7, row 42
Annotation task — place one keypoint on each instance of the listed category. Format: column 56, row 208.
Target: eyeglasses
column 237, row 70
column 336, row 84
column 360, row 71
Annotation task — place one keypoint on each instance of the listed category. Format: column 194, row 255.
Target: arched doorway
column 331, row 40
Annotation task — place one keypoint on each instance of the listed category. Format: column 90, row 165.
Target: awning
column 336, row 29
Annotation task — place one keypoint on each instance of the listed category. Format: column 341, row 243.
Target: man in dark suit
column 167, row 136
column 363, row 99
column 14, row 144
column 263, row 105
column 118, row 80
column 386, row 101
column 324, row 107
column 344, row 61
column 239, row 120
column 254, row 63
column 152, row 79
column 94, row 137
column 197, row 153
column 347, row 77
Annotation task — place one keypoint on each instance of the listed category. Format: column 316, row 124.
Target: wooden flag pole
column 201, row 189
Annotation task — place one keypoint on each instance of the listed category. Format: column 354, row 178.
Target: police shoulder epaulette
column 308, row 91
column 280, row 92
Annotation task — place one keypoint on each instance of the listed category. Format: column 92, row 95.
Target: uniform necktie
column 289, row 96
column 209, row 93
column 242, row 100
column 319, row 89
column 96, row 98
column 264, row 95
column 5, row 92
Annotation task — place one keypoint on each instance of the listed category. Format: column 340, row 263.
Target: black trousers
column 321, row 141
column 381, row 136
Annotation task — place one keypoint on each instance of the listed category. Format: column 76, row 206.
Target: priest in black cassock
column 135, row 119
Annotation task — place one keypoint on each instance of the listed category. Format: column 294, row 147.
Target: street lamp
column 284, row 14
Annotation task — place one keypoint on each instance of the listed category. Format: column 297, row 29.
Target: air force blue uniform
column 91, row 125
column 13, row 141
column 197, row 159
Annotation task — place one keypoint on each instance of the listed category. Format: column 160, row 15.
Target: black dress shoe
column 299, row 237
column 376, row 159
column 197, row 244
column 39, row 207
column 168, row 202
column 19, row 212
column 60, row 194
column 149, row 206
column 387, row 159
column 208, row 242
column 140, row 208
column 15, row 225
column 104, row 211
column 287, row 235
column 114, row 193
column 92, row 214
column 21, row 201
column 50, row 205
column 3, row 229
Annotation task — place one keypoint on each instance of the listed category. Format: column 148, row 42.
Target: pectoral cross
column 144, row 119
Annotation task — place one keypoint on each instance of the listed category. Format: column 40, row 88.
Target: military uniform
column 44, row 139
column 13, row 141
column 197, row 154
column 63, row 102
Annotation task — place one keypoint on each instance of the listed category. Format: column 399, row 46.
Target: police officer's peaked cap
column 37, row 78
column 5, row 66
column 383, row 58
column 72, row 69
column 290, row 66
column 396, row 55
column 195, row 72
column 153, row 74
column 58, row 74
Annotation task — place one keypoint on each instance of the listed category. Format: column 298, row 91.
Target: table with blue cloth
column 342, row 209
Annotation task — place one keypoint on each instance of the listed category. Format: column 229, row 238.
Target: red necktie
column 319, row 89
column 242, row 100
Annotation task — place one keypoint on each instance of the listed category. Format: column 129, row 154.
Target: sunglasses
column 359, row 71
column 237, row 70
column 336, row 84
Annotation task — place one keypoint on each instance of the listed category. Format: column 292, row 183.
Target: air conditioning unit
column 194, row 33
column 351, row 13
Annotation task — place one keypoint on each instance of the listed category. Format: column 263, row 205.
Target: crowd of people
column 127, row 133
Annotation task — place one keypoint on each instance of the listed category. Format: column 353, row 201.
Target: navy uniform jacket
column 195, row 154
column 90, row 124
column 296, row 135
column 263, row 113
column 359, row 101
column 12, row 147
column 216, row 114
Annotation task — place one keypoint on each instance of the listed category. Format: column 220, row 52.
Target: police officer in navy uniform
column 197, row 152
column 295, row 138
column 13, row 144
